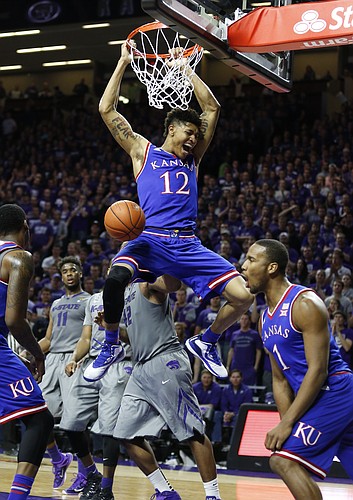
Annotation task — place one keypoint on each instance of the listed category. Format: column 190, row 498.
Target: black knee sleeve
column 110, row 451
column 113, row 293
column 35, row 437
column 79, row 442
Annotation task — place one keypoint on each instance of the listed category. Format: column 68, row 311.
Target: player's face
column 184, row 137
column 71, row 276
column 255, row 269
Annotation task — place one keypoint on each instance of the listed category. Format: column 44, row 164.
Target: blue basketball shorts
column 20, row 394
column 325, row 430
column 180, row 254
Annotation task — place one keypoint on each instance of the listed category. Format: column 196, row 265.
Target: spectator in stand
column 78, row 222
column 94, row 236
column 293, row 254
column 88, row 284
column 95, row 272
column 209, row 393
column 204, row 236
column 60, row 228
column 184, row 312
column 53, row 259
column 245, row 350
column 42, row 235
column 96, row 256
column 343, row 336
column 345, row 303
column 312, row 262
column 320, row 286
column 233, row 396
column 333, row 306
column 56, row 286
column 347, row 251
column 347, row 290
column 336, row 269
column 208, row 315
column 300, row 273
column 42, row 306
column 226, row 252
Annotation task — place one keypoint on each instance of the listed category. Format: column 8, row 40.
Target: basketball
column 124, row 220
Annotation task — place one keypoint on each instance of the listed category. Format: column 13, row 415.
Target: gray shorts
column 159, row 393
column 97, row 402
column 55, row 384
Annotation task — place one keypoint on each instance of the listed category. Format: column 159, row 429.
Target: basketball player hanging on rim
column 166, row 179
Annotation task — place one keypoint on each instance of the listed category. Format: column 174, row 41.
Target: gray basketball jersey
column 150, row 327
column 67, row 314
column 94, row 305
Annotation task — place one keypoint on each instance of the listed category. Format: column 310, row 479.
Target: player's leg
column 238, row 302
column 111, row 451
column 32, row 448
column 141, row 453
column 297, row 478
column 80, row 444
column 232, row 286
column 113, row 299
column 202, row 451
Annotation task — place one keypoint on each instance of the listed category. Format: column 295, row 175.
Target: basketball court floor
column 130, row 483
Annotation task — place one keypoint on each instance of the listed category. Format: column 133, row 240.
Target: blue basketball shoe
column 60, row 468
column 78, row 483
column 208, row 354
column 110, row 354
column 166, row 495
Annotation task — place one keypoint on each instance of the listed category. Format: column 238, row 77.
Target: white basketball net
column 167, row 79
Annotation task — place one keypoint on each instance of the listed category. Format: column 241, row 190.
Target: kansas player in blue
column 312, row 385
column 20, row 395
column 166, row 179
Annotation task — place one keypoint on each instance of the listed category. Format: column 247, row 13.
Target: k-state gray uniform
column 87, row 400
column 67, row 314
column 159, row 391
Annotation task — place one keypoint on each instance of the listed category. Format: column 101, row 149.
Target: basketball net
column 167, row 78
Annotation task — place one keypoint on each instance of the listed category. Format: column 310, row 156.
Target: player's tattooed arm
column 19, row 266
column 121, row 129
column 20, row 274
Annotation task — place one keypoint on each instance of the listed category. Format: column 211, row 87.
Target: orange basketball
column 124, row 220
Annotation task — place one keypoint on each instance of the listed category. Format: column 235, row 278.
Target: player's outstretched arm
column 120, row 128
column 210, row 113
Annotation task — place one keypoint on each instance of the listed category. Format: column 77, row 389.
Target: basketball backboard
column 206, row 21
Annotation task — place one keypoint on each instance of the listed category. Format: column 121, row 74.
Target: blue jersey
column 167, row 189
column 285, row 341
column 4, row 246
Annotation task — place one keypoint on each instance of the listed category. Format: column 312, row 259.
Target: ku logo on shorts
column 307, row 433
column 22, row 387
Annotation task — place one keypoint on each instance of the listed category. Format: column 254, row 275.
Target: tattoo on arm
column 121, row 129
column 20, row 275
column 203, row 127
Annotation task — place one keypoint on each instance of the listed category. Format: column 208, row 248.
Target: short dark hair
column 69, row 260
column 276, row 252
column 181, row 116
column 12, row 218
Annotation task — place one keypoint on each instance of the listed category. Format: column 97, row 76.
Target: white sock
column 211, row 488
column 159, row 481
